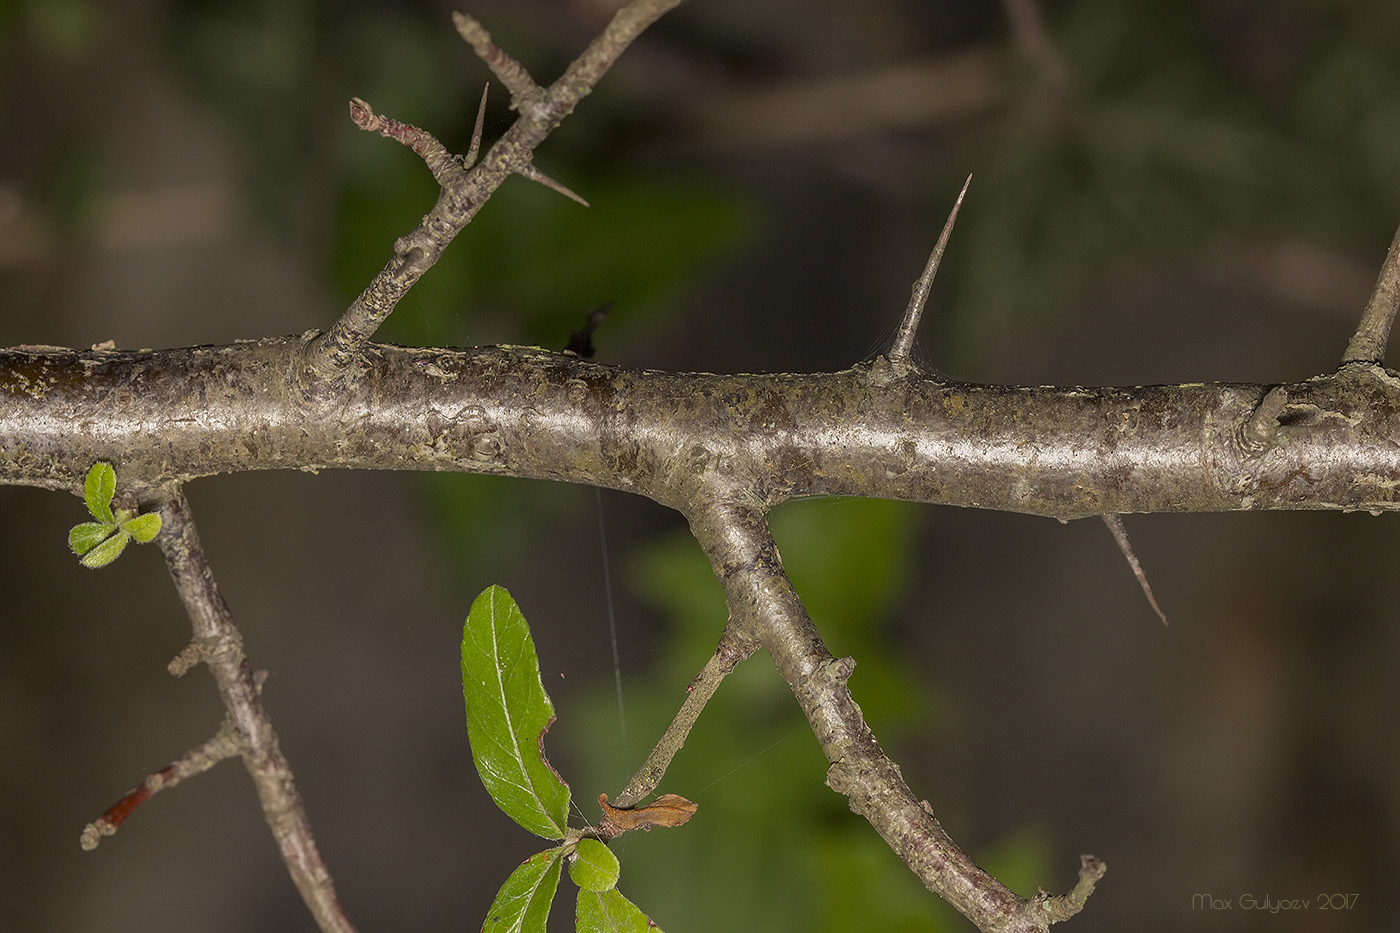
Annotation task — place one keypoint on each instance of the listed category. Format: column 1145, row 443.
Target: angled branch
column 221, row 649
column 1368, row 344
column 763, row 603
column 332, row 356
column 440, row 162
column 909, row 326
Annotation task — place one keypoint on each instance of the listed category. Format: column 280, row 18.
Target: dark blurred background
column 1210, row 200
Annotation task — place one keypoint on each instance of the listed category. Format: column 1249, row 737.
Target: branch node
column 1261, row 430
column 904, row 339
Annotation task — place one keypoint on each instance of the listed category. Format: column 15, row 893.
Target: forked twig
column 221, row 649
column 762, row 601
column 332, row 356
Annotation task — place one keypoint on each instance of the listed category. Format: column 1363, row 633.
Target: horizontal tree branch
column 1332, row 442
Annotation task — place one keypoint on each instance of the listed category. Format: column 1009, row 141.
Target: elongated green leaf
column 609, row 912
column 593, row 867
column 107, row 551
column 98, row 489
column 83, row 538
column 508, row 713
column 522, row 905
column 143, row 527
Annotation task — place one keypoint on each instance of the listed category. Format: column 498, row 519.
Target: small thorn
column 1120, row 534
column 535, row 174
column 469, row 159
column 904, row 340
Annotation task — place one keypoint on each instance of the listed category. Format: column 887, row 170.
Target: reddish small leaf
column 666, row 810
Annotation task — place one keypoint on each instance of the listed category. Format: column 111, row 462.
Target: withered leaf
column 666, row 810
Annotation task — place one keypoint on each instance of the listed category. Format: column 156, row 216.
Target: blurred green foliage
column 1196, row 123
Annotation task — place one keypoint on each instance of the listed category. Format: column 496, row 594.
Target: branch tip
column 904, row 339
column 224, row 744
column 1368, row 344
column 506, row 69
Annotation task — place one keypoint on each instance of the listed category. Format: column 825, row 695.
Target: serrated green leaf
column 98, row 489
column 610, row 912
column 522, row 905
column 107, row 551
column 83, row 538
column 143, row 527
column 508, row 713
column 594, row 867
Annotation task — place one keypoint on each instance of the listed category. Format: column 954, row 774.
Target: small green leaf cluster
column 508, row 713
column 100, row 542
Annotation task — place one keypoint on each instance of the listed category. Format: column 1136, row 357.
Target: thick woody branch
column 335, row 353
column 762, row 601
column 219, row 645
column 1062, row 452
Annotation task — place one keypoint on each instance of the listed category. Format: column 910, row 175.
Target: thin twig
column 1120, row 534
column 762, row 600
column 221, row 649
column 909, row 326
column 445, row 168
column 222, row 745
column 1367, row 345
column 731, row 651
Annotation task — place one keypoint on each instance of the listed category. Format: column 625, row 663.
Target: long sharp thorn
column 904, row 340
column 470, row 158
column 1120, row 534
column 535, row 174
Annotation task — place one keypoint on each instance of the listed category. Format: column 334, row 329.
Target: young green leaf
column 508, row 713
column 83, row 538
column 610, row 912
column 143, row 527
column 98, row 489
column 594, row 867
column 522, row 905
column 106, row 552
